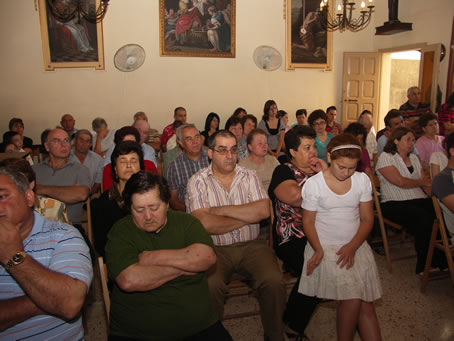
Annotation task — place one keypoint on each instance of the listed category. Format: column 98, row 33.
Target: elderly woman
column 258, row 158
column 317, row 120
column 274, row 129
column 404, row 188
column 235, row 126
column 249, row 123
column 157, row 258
column 127, row 159
column 104, row 137
column 430, row 141
column 288, row 237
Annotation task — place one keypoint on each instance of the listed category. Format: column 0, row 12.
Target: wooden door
column 428, row 74
column 361, row 85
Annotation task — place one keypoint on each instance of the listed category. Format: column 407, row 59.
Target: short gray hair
column 98, row 123
column 17, row 178
column 84, row 132
column 410, row 89
column 179, row 131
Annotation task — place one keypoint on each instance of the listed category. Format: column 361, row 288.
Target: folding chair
column 441, row 244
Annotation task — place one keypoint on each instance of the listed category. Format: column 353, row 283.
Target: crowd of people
column 176, row 215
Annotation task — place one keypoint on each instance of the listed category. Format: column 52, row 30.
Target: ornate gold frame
column 194, row 51
column 69, row 61
column 294, row 44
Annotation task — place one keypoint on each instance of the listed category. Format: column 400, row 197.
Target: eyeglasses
column 321, row 123
column 224, row 151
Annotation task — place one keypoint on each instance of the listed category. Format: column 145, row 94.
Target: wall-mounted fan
column 267, row 58
column 129, row 57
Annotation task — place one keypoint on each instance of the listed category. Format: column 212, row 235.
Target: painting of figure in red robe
column 200, row 28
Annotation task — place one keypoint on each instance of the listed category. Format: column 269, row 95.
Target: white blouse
column 390, row 192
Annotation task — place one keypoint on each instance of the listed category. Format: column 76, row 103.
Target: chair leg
column 430, row 253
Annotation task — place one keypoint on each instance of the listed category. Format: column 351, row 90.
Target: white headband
column 346, row 146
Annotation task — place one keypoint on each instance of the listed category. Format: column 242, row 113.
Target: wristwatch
column 15, row 260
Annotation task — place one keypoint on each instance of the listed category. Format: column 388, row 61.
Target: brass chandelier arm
column 65, row 13
column 344, row 20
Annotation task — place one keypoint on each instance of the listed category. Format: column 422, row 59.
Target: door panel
column 428, row 74
column 360, row 85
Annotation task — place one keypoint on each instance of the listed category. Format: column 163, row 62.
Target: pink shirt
column 427, row 146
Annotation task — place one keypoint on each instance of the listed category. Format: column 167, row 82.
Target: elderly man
column 158, row 258
column 61, row 178
column 230, row 200
column 140, row 115
column 413, row 109
column 68, row 122
column 192, row 159
column 259, row 159
column 366, row 120
column 46, row 269
column 82, row 154
column 179, row 114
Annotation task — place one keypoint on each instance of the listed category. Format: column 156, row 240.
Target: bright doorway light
column 407, row 55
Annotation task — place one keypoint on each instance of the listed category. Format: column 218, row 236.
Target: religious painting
column 197, row 28
column 309, row 45
column 73, row 43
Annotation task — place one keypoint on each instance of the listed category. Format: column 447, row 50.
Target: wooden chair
column 105, row 290
column 36, row 153
column 441, row 244
column 89, row 223
column 383, row 222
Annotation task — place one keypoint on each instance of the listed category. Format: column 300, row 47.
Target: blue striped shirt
column 60, row 248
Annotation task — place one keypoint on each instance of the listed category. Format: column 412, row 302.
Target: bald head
column 68, row 122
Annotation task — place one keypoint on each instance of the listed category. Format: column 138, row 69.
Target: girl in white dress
column 337, row 218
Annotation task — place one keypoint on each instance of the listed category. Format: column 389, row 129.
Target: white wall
column 162, row 83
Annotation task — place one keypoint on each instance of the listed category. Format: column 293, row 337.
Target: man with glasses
column 230, row 200
column 61, row 178
column 192, row 159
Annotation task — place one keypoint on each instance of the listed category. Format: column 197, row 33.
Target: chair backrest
column 89, row 224
column 270, row 237
column 105, row 290
column 440, row 219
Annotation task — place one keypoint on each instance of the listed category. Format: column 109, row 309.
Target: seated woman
column 124, row 134
column 430, row 141
column 317, row 120
column 127, row 159
column 211, row 126
column 157, row 258
column 274, row 129
column 358, row 131
column 404, row 188
column 17, row 125
column 289, row 240
column 104, row 137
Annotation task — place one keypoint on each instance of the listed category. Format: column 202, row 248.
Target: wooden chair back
column 105, row 290
column 383, row 222
column 439, row 240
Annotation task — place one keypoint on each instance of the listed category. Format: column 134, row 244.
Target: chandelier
column 66, row 10
column 343, row 19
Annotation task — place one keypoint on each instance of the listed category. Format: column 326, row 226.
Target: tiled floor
column 404, row 312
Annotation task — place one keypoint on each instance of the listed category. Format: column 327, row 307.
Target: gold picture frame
column 197, row 29
column 308, row 44
column 74, row 44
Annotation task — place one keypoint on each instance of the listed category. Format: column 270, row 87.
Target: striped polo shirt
column 58, row 247
column 204, row 191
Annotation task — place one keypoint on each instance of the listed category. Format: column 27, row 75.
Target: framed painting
column 197, row 28
column 76, row 43
column 309, row 44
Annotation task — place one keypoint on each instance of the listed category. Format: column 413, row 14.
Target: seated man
column 192, row 159
column 413, row 109
column 393, row 120
column 443, row 187
column 158, row 258
column 62, row 178
column 179, row 114
column 46, row 269
column 67, row 123
column 81, row 153
column 230, row 200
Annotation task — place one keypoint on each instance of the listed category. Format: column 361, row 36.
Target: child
column 337, row 218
